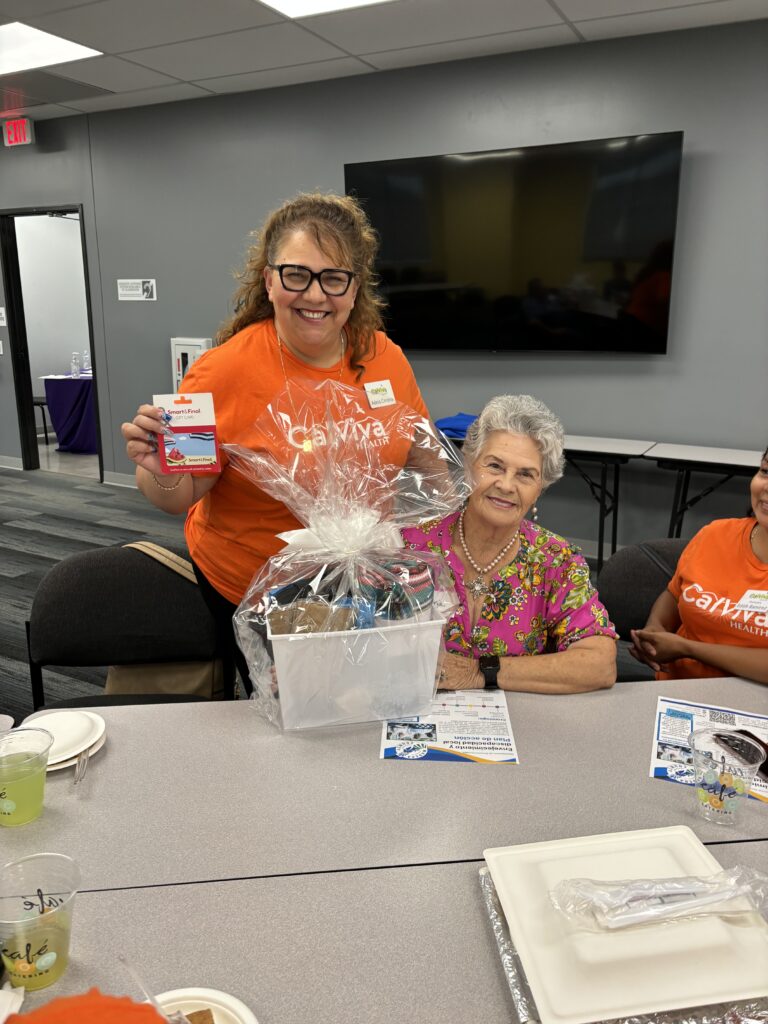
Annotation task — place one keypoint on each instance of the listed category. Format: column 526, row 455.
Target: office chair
column 117, row 606
column 628, row 584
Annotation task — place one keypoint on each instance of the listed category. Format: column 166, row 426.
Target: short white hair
column 525, row 415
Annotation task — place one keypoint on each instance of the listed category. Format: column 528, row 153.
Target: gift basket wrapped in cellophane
column 344, row 625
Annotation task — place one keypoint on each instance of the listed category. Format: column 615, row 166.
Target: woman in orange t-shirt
column 713, row 618
column 90, row 1008
column 306, row 309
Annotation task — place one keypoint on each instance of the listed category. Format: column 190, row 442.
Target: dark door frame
column 17, row 328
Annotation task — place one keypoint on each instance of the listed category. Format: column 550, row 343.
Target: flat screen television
column 561, row 248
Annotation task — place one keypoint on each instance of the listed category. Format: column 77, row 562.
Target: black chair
column 628, row 584
column 118, row 606
column 40, row 402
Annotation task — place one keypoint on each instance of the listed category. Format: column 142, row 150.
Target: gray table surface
column 344, row 948
column 190, row 792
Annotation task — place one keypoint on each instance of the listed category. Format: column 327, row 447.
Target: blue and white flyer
column 462, row 725
column 671, row 757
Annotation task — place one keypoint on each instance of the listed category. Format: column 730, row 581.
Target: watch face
column 489, row 661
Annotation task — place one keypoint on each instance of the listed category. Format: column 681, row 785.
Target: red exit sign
column 20, row 132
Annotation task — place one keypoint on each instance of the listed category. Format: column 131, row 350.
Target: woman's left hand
column 459, row 673
column 660, row 645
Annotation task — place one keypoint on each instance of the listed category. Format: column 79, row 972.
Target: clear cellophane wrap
column 354, row 477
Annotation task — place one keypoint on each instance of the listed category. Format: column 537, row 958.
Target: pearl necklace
column 478, row 587
column 307, row 445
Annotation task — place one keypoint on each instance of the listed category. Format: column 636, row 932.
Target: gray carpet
column 45, row 517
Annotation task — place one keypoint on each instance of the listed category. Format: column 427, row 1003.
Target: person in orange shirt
column 306, row 309
column 90, row 1008
column 713, row 618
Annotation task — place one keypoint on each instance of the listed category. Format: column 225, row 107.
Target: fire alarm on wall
column 19, row 132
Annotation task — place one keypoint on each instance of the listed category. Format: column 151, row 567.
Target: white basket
column 358, row 675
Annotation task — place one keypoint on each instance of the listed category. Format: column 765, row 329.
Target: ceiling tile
column 237, row 53
column 44, row 87
column 276, row 77
column 116, row 26
column 21, row 10
column 556, row 35
column 422, row 22
column 576, row 10
column 142, row 98
column 694, row 16
column 40, row 112
column 111, row 73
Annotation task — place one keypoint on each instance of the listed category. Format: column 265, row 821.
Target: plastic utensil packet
column 607, row 906
column 353, row 476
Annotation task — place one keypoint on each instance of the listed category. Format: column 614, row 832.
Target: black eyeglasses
column 297, row 279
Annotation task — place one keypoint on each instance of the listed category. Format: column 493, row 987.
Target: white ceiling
column 158, row 51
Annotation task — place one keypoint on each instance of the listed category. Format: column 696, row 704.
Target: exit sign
column 20, row 132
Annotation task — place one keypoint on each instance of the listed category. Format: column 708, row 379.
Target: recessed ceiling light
column 306, row 8
column 22, row 48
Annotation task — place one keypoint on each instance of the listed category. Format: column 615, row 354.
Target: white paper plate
column 73, row 760
column 577, row 976
column 225, row 1008
column 72, row 731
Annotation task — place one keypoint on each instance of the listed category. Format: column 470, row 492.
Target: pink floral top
column 540, row 603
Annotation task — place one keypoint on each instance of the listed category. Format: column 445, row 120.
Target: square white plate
column 578, row 976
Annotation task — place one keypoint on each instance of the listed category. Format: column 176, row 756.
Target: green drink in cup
column 37, row 896
column 23, row 763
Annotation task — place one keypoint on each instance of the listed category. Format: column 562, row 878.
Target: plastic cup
column 23, row 763
column 725, row 763
column 37, row 896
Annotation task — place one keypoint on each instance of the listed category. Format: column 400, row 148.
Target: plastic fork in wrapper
column 344, row 624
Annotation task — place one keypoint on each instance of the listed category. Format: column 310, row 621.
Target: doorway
column 45, row 275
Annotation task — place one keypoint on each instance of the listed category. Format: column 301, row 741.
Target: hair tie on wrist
column 172, row 488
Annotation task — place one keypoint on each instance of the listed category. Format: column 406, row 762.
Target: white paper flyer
column 461, row 725
column 671, row 757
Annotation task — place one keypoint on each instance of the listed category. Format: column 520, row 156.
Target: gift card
column 189, row 443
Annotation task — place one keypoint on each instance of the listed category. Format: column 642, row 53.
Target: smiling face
column 309, row 323
column 758, row 492
column 507, row 481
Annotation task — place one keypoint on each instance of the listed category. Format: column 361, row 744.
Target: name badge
column 754, row 601
column 379, row 393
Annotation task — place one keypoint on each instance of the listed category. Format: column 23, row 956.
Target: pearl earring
column 535, row 514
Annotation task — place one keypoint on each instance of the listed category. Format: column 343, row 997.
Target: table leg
column 615, row 509
column 603, row 513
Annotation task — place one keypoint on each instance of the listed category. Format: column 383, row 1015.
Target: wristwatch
column 489, row 665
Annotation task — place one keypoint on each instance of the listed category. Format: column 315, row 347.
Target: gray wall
column 175, row 189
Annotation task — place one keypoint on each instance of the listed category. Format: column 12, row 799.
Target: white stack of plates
column 73, row 732
column 576, row 976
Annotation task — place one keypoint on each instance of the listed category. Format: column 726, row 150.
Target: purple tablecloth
column 70, row 405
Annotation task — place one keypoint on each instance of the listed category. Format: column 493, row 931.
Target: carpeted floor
column 45, row 517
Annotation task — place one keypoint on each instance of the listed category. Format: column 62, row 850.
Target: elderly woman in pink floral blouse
column 522, row 590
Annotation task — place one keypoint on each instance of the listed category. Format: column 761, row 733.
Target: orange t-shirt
column 231, row 532
column 90, row 1008
column 714, row 572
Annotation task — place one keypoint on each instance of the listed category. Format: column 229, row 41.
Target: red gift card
column 189, row 444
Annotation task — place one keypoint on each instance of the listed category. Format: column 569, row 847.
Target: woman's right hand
column 642, row 650
column 141, row 438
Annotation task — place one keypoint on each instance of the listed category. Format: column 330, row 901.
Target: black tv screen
column 562, row 248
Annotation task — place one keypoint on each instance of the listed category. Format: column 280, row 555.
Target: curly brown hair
column 341, row 229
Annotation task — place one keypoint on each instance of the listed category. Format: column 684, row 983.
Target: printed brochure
column 671, row 757
column 461, row 725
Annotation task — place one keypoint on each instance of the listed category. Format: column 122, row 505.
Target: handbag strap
column 168, row 558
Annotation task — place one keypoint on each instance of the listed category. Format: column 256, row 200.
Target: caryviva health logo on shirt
column 370, row 429
column 722, row 607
